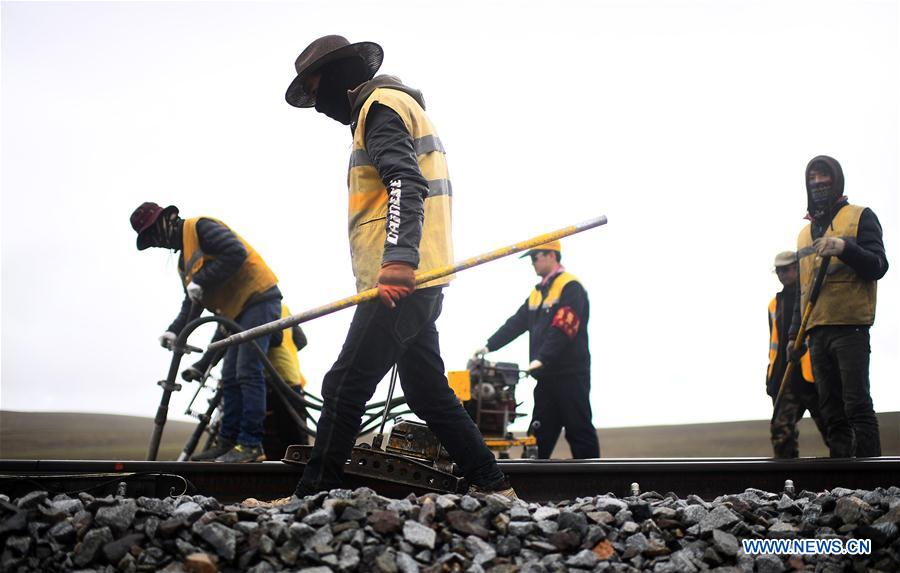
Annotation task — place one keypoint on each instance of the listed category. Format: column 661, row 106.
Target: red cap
column 144, row 217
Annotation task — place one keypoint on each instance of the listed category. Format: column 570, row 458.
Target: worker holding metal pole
column 849, row 237
column 399, row 221
column 223, row 273
column 798, row 393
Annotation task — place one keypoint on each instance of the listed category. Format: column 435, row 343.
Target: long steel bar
column 421, row 278
column 534, row 480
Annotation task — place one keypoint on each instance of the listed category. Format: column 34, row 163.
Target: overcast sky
column 688, row 123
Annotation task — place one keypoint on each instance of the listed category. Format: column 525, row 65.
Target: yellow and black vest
column 805, row 362
column 284, row 356
column 229, row 297
column 537, row 299
column 368, row 203
column 845, row 297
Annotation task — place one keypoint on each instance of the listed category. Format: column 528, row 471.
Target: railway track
column 534, row 480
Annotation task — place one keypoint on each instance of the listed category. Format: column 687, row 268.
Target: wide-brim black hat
column 325, row 50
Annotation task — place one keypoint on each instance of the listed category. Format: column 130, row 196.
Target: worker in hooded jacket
column 223, row 273
column 398, row 221
column 838, row 327
column 555, row 315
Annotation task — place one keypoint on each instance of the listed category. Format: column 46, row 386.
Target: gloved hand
column 479, row 354
column 395, row 281
column 194, row 291
column 829, row 246
column 191, row 374
column 795, row 355
column 535, row 365
column 167, row 340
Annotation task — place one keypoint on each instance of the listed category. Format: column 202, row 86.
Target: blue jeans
column 243, row 379
column 378, row 338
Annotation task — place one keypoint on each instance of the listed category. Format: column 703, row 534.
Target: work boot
column 242, row 454
column 500, row 487
column 219, row 447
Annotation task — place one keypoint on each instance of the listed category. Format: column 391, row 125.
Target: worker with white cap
column 799, row 393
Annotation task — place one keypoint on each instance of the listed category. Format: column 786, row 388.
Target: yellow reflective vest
column 284, row 356
column 229, row 297
column 805, row 362
column 845, row 298
column 368, row 203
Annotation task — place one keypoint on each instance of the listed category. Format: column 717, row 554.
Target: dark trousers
column 243, row 380
column 564, row 402
column 378, row 338
column 798, row 397
column 280, row 429
column 840, row 361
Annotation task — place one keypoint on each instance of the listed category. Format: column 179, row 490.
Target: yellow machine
column 488, row 392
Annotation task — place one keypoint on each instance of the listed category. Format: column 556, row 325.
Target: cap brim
column 370, row 52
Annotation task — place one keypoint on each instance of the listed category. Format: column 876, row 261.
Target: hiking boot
column 241, row 454
column 253, row 502
column 500, row 487
column 219, row 447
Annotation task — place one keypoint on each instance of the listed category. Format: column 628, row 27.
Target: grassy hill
column 55, row 435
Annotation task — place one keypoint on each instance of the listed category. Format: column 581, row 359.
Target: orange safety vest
column 805, row 361
column 284, row 356
column 229, row 297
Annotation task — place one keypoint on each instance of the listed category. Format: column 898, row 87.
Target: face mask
column 337, row 79
column 820, row 199
column 332, row 100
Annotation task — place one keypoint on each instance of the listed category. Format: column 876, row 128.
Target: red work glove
column 395, row 281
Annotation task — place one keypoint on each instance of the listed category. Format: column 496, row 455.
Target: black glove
column 794, row 355
column 194, row 372
column 299, row 337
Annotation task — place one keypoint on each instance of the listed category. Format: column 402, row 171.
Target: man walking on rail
column 799, row 393
column 399, row 221
column 556, row 316
column 223, row 273
column 838, row 327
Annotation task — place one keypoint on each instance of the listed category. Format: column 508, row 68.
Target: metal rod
column 421, row 278
column 379, row 437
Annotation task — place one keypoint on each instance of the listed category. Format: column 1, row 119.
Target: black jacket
column 218, row 240
column 866, row 256
column 549, row 344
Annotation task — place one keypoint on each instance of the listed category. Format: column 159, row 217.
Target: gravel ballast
column 359, row 530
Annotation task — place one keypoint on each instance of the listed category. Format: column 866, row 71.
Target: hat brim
column 531, row 251
column 370, row 52
column 143, row 238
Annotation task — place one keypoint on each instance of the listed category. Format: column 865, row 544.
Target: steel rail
column 534, row 480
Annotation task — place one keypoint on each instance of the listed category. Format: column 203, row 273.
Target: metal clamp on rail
column 376, row 464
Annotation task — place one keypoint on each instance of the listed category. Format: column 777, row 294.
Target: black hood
column 822, row 201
